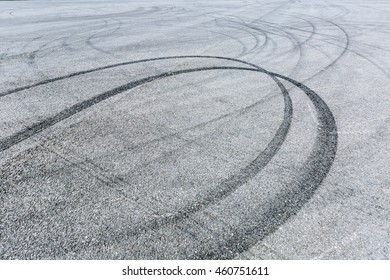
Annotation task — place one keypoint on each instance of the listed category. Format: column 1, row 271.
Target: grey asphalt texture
column 194, row 129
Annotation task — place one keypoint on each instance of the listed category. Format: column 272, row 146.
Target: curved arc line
column 319, row 161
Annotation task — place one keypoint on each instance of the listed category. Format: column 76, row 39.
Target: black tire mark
column 296, row 45
column 285, row 205
column 309, row 38
column 32, row 55
column 346, row 48
column 44, row 82
column 327, row 140
column 264, row 33
column 10, row 141
column 228, row 185
column 280, row 33
column 277, row 141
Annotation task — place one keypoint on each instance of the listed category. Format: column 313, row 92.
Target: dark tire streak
column 44, row 82
column 284, row 206
column 29, row 131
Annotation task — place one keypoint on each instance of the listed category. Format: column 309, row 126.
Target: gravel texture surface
column 194, row 129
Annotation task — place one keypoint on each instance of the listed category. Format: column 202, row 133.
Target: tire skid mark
column 296, row 46
column 346, row 48
column 253, row 26
column 309, row 38
column 287, row 204
column 296, row 15
column 44, row 47
column 319, row 162
column 47, row 81
column 228, row 186
column 284, row 205
column 33, row 129
column 235, row 181
column 89, row 167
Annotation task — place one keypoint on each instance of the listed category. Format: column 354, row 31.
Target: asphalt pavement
column 194, row 129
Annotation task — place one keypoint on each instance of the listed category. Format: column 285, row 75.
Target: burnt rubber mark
column 279, row 210
column 29, row 131
column 287, row 204
column 48, row 81
column 226, row 187
column 222, row 190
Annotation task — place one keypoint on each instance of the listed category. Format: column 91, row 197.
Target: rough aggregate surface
column 194, row 129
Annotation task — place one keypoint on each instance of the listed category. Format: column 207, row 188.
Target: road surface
column 194, row 129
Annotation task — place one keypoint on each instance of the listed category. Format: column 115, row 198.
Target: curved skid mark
column 296, row 45
column 44, row 82
column 316, row 167
column 12, row 140
column 287, row 204
column 224, row 188
column 346, row 48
